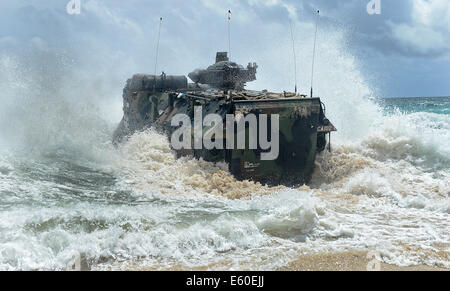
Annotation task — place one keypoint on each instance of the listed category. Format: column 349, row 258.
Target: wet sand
column 347, row 261
column 344, row 261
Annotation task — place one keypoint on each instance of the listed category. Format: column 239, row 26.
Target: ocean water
column 138, row 207
column 439, row 105
column 65, row 191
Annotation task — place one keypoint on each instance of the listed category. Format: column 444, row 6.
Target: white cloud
column 291, row 9
column 420, row 39
column 221, row 7
column 429, row 30
column 432, row 13
column 8, row 40
column 114, row 18
column 39, row 43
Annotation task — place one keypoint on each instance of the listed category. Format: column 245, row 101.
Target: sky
column 404, row 51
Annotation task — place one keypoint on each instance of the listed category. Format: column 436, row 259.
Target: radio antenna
column 295, row 57
column 157, row 44
column 157, row 52
column 229, row 34
column 314, row 53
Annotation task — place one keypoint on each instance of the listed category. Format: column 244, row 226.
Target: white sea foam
column 381, row 192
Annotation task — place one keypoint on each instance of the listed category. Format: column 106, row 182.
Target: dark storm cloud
column 372, row 33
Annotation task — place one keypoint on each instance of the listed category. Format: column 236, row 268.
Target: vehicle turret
column 225, row 74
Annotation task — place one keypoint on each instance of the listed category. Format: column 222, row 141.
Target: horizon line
column 412, row 97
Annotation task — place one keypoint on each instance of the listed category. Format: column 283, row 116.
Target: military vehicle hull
column 299, row 120
column 152, row 101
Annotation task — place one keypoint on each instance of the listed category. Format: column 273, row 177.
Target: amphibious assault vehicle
column 153, row 101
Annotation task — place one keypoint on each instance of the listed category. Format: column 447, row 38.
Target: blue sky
column 404, row 51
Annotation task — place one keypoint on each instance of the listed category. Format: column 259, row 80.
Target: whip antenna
column 229, row 34
column 157, row 51
column 295, row 58
column 157, row 44
column 314, row 53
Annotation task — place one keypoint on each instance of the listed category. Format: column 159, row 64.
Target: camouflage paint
column 152, row 101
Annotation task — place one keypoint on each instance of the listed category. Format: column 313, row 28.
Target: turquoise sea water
column 439, row 105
